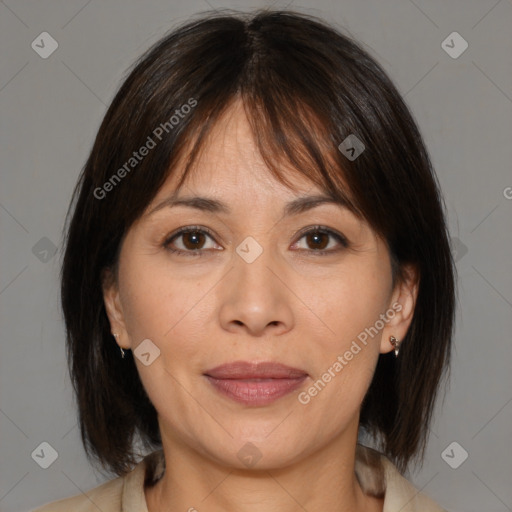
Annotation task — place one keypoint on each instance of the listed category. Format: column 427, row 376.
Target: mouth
column 255, row 384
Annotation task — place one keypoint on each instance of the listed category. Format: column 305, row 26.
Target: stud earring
column 396, row 344
column 116, row 335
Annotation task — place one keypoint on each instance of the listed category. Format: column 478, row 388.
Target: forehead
column 229, row 162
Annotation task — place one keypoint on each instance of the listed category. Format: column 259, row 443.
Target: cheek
column 160, row 306
column 351, row 303
column 149, row 299
column 344, row 363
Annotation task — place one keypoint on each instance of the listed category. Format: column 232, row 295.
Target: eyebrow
column 207, row 204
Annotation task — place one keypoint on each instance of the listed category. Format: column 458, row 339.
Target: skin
column 290, row 305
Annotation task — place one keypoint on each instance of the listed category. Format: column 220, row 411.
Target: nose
column 255, row 297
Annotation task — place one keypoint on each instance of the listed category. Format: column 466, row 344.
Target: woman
column 257, row 275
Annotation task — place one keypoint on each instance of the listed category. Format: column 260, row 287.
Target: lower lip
column 256, row 391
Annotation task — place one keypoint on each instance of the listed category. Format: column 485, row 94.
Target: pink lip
column 255, row 383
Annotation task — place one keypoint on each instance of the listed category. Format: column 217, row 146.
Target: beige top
column 377, row 476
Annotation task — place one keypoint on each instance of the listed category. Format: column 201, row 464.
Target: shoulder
column 106, row 497
column 379, row 476
column 124, row 493
column 402, row 495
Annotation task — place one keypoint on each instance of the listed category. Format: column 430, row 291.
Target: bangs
column 289, row 136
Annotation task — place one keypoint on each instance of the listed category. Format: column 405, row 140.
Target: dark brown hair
column 305, row 88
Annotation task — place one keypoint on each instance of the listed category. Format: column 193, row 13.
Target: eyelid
column 321, row 228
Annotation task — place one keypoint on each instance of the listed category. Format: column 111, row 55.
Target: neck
column 324, row 480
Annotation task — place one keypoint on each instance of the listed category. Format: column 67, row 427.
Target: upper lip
column 255, row 370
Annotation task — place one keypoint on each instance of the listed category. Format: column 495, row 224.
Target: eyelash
column 199, row 252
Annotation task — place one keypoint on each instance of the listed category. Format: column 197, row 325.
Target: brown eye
column 188, row 241
column 193, row 239
column 319, row 238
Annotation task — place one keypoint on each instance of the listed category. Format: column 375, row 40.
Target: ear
column 114, row 308
column 401, row 307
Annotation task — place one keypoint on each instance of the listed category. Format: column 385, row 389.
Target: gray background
column 50, row 110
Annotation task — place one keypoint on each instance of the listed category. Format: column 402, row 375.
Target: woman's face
column 256, row 289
